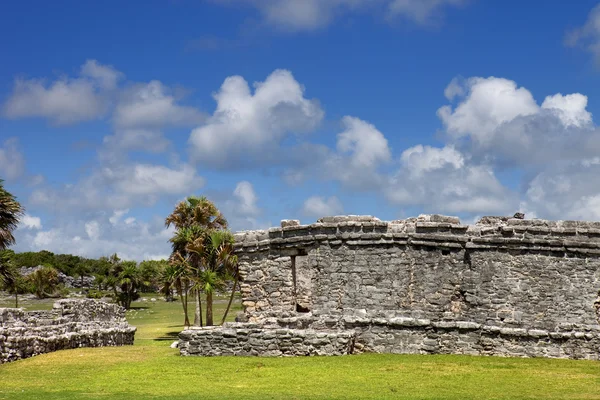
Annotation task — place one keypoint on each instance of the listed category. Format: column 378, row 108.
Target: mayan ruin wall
column 70, row 324
column 426, row 285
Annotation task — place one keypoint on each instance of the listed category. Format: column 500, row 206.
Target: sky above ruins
column 111, row 113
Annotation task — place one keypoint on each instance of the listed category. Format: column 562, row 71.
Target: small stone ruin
column 426, row 285
column 70, row 324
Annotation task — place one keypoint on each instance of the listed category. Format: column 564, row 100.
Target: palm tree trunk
column 235, row 283
column 197, row 312
column 183, row 297
column 209, row 304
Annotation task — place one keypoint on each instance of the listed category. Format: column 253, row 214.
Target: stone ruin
column 70, row 324
column 426, row 285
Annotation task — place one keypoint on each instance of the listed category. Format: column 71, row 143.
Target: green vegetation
column 202, row 254
column 152, row 370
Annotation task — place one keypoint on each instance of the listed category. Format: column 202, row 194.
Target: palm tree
column 217, row 264
column 178, row 274
column 44, row 281
column 10, row 213
column 193, row 219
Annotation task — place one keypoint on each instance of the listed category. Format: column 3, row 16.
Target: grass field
column 152, row 370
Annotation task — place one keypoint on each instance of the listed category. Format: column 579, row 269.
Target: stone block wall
column 70, row 324
column 523, row 287
column 235, row 339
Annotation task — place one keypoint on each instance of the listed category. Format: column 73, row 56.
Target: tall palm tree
column 10, row 213
column 217, row 262
column 193, row 219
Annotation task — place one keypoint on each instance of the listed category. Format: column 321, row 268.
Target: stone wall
column 70, row 324
column 524, row 287
column 235, row 339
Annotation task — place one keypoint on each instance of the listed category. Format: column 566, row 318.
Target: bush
column 96, row 294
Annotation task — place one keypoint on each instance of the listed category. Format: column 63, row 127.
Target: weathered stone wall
column 70, row 324
column 235, row 339
column 507, row 279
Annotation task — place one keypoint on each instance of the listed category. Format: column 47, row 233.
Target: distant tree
column 129, row 280
column 10, row 213
column 150, row 273
column 44, row 281
column 81, row 270
column 10, row 277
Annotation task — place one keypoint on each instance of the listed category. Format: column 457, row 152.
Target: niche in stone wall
column 302, row 280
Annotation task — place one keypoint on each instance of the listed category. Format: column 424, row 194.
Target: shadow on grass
column 139, row 307
column 172, row 336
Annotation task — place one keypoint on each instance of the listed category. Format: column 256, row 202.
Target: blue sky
column 111, row 113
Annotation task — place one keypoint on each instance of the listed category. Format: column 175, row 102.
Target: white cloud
column 147, row 179
column 119, row 187
column 116, row 217
column 106, row 76
column 247, row 128
column 246, row 198
column 500, row 122
column 66, row 100
column 152, row 105
column 241, row 208
column 12, row 162
column 421, row 159
column 92, row 228
column 588, row 35
column 566, row 191
column 489, row 103
column 99, row 237
column 366, row 145
column 442, row 180
column 134, row 139
column 310, row 15
column 571, row 109
column 31, row 222
column 317, row 206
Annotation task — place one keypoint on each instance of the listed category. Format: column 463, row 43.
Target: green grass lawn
column 152, row 370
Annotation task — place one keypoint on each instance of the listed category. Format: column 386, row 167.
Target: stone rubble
column 70, row 324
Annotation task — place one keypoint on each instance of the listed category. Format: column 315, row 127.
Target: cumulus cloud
column 31, row 222
column 123, row 141
column 241, row 208
column 12, row 161
column 247, row 128
column 317, row 206
column 119, row 187
column 66, row 100
column 566, row 191
column 588, row 35
column 98, row 237
column 443, row 180
column 246, row 198
column 499, row 121
column 310, row 15
column 152, row 105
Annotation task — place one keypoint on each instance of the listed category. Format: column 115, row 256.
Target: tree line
column 202, row 262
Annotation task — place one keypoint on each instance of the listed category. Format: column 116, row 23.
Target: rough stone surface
column 234, row 339
column 504, row 286
column 70, row 324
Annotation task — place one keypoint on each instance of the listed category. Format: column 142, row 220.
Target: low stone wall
column 335, row 335
column 239, row 339
column 70, row 324
column 422, row 336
